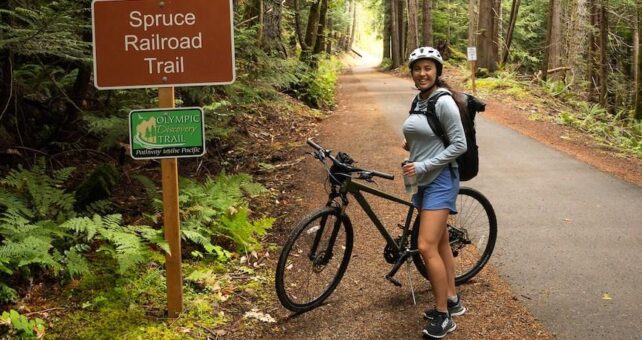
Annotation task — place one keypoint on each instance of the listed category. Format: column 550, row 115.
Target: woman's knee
column 427, row 247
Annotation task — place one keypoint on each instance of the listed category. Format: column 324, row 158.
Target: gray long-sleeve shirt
column 427, row 151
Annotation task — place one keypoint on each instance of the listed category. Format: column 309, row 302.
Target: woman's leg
column 446, row 254
column 431, row 229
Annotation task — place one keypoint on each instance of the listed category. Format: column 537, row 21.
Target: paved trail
column 570, row 235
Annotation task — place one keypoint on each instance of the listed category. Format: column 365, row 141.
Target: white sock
column 454, row 298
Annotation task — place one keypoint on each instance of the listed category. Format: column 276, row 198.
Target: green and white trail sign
column 167, row 133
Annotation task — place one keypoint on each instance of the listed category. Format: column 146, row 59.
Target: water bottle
column 410, row 182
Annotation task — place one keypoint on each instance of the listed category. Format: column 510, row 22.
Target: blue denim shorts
column 440, row 193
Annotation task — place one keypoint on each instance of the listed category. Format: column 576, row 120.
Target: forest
column 81, row 222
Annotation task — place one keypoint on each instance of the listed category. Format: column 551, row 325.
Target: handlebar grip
column 383, row 175
column 314, row 145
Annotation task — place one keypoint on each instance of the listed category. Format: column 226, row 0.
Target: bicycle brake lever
column 368, row 178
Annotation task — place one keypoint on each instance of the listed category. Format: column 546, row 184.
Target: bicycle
column 322, row 241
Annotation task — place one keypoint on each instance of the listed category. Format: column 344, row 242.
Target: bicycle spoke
column 310, row 270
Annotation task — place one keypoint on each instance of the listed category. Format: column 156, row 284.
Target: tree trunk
column 311, row 30
column 636, row 47
column 426, row 25
column 592, row 50
column 394, row 34
column 272, row 41
column 259, row 31
column 511, row 27
column 604, row 31
column 473, row 18
column 401, row 9
column 497, row 28
column 576, row 48
column 354, row 23
column 552, row 55
column 330, row 33
column 487, row 42
column 297, row 26
column 638, row 79
column 319, row 46
column 412, row 41
column 387, row 28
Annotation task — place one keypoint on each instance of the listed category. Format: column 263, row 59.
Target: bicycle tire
column 298, row 274
column 475, row 222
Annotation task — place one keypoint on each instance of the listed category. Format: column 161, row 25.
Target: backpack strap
column 431, row 115
column 433, row 120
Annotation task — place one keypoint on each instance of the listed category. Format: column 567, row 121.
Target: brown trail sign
column 162, row 43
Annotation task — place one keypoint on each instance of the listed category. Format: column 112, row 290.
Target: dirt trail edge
column 365, row 305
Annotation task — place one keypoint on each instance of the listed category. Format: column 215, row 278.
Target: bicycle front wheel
column 472, row 233
column 313, row 260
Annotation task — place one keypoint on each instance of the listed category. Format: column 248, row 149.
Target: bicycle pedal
column 393, row 280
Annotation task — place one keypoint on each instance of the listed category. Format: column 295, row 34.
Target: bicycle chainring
column 390, row 254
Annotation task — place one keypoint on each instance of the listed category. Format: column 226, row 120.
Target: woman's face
column 424, row 73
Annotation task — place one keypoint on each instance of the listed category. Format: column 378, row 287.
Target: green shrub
column 620, row 130
column 318, row 85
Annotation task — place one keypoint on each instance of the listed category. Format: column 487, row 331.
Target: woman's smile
column 424, row 74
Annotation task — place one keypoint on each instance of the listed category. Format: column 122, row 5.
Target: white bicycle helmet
column 426, row 53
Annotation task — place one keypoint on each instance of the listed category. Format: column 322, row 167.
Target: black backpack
column 468, row 162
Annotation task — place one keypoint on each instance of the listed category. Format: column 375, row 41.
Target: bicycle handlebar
column 350, row 168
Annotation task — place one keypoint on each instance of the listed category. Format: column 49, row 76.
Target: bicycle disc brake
column 320, row 261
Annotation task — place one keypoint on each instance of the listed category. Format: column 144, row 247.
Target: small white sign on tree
column 472, row 54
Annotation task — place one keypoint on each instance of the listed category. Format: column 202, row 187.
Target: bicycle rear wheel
column 313, row 260
column 472, row 233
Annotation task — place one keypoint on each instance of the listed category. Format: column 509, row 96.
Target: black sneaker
column 441, row 325
column 454, row 308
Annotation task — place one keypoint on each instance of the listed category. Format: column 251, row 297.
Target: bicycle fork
column 327, row 255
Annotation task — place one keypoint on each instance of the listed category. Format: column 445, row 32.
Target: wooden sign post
column 164, row 43
column 171, row 220
column 472, row 57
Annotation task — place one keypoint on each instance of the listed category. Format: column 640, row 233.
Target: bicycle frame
column 355, row 189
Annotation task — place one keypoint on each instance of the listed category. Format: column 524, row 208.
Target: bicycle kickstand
column 400, row 261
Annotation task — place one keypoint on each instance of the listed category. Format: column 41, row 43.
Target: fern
column 77, row 265
column 47, row 200
column 7, row 294
column 14, row 204
column 217, row 208
column 246, row 234
column 31, row 250
column 126, row 244
column 100, row 207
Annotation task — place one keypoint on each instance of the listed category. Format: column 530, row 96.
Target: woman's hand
column 405, row 145
column 409, row 169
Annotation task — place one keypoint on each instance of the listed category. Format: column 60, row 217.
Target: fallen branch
column 557, row 69
column 44, row 311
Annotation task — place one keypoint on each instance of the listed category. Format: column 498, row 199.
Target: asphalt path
column 570, row 236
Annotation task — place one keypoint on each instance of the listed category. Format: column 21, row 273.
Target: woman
column 436, row 169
